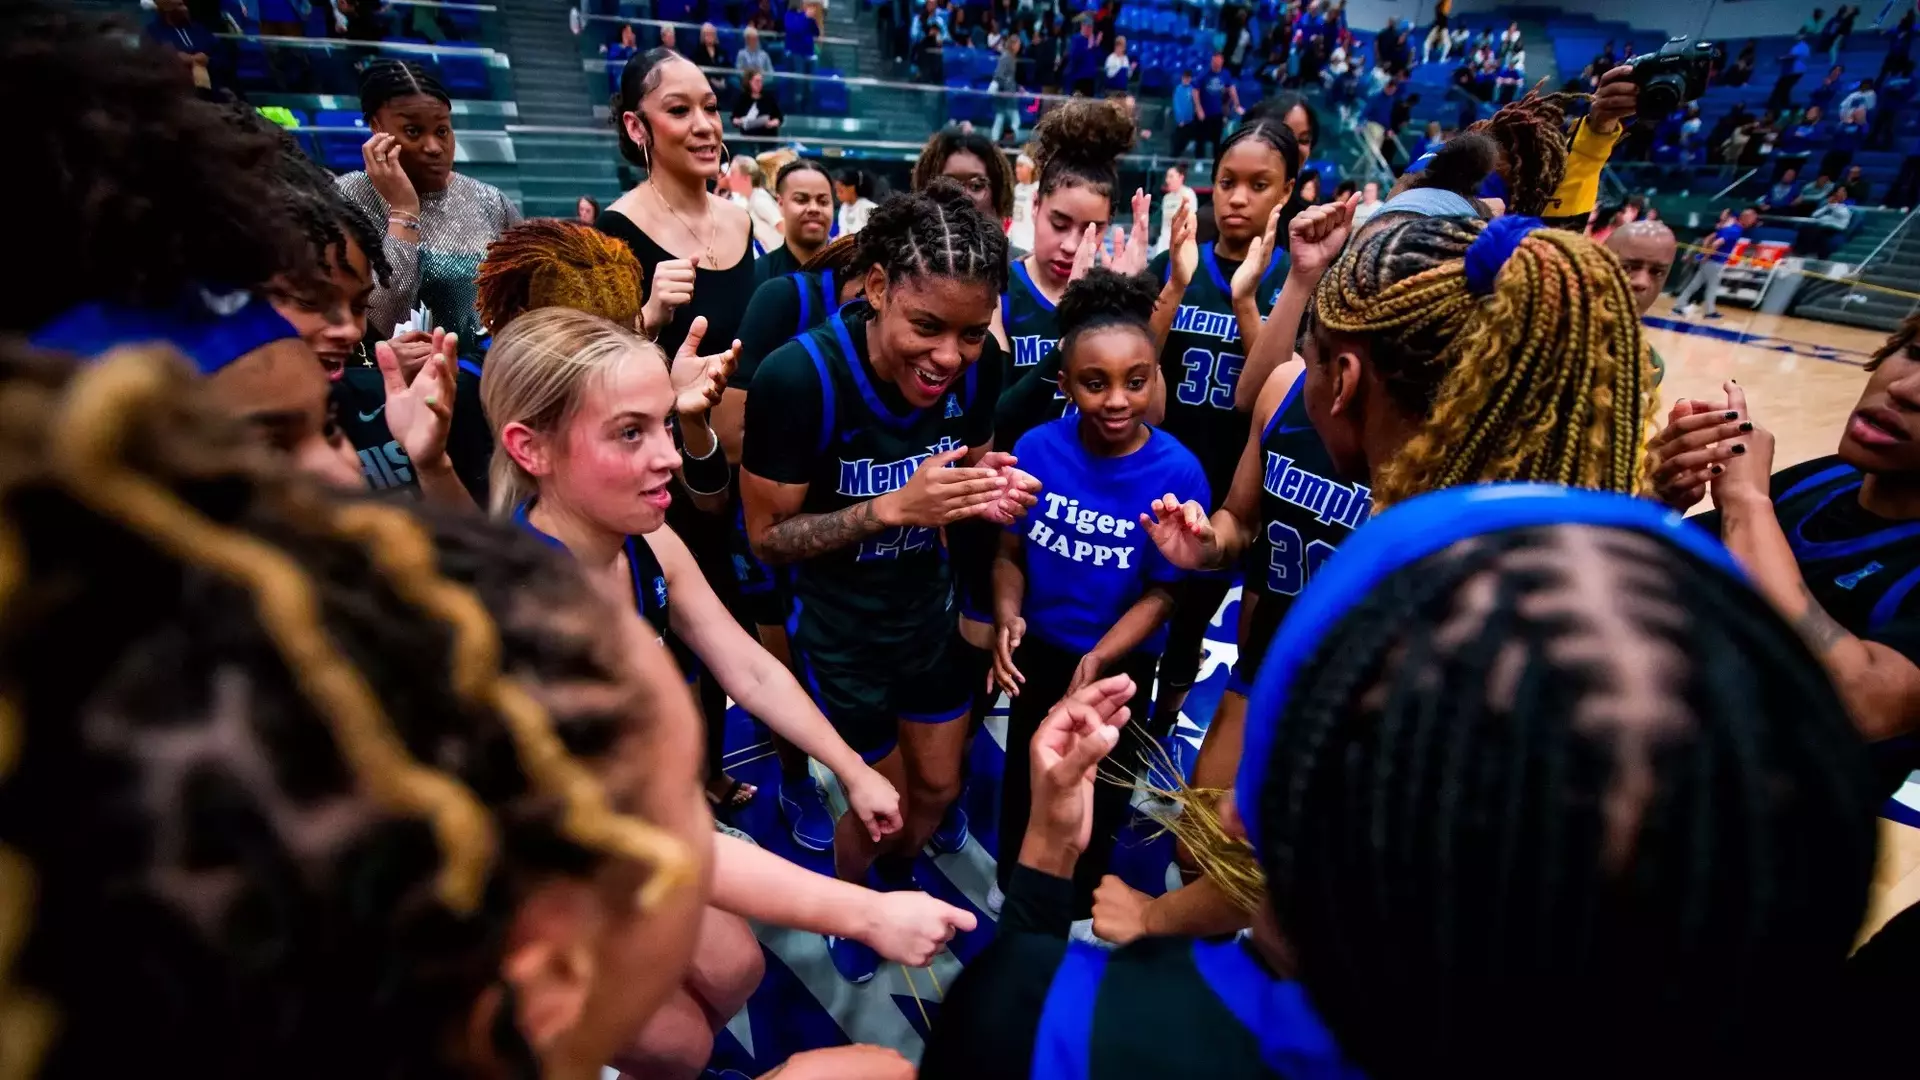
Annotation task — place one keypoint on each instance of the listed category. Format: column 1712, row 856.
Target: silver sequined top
column 456, row 225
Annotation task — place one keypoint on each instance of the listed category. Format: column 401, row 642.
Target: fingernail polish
column 1717, row 470
column 1732, row 415
column 1739, row 448
column 1748, row 426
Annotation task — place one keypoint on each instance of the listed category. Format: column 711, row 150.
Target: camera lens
column 1660, row 96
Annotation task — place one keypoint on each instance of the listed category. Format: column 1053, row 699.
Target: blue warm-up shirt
column 1088, row 559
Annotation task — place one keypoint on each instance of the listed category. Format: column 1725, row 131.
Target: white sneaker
column 996, row 900
column 1686, row 312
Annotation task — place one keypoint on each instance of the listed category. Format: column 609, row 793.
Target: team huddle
column 1517, row 771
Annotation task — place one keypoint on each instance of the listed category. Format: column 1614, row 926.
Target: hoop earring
column 726, row 156
column 646, row 159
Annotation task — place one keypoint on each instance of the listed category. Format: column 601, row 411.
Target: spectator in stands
column 1857, row 186
column 1842, row 30
column 366, row 19
column 1370, row 204
column 1899, row 48
column 929, row 56
column 750, row 56
column 1793, row 65
column 173, row 26
column 763, row 18
column 439, row 222
column 1391, row 49
column 1006, row 109
column 1829, row 224
column 623, row 49
column 1719, row 244
column 804, row 23
column 1896, row 91
column 756, row 111
column 1117, row 70
column 1307, row 187
column 1219, row 99
column 1848, row 137
column 1176, row 195
column 1510, row 39
column 1811, row 28
column 1862, row 98
column 1800, row 139
column 1238, row 37
column 1785, row 190
column 960, row 28
column 587, row 211
column 706, row 53
column 1689, row 141
column 965, row 157
column 1083, row 60
column 1608, row 59
column 1829, row 89
column 1741, row 69
column 1812, row 195
column 1186, row 108
column 1377, row 116
column 1723, row 129
column 1437, row 39
column 1509, row 78
column 854, row 190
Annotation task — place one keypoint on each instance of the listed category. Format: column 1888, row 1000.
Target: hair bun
column 1106, row 295
column 1461, row 164
column 1084, row 132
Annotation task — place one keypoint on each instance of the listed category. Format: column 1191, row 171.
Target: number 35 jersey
column 1202, row 360
column 819, row 415
column 1305, row 512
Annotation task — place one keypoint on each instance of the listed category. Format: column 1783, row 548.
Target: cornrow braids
column 1565, row 787
column 951, row 141
column 937, row 232
column 547, row 262
column 386, row 80
column 1271, row 132
column 1547, row 378
column 137, row 188
column 1532, row 137
column 231, row 684
column 1903, row 339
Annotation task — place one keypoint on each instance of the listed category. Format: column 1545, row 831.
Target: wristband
column 707, row 475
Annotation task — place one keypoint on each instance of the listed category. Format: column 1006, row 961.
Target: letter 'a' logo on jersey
column 953, row 407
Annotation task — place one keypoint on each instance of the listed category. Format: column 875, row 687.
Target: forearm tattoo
column 1815, row 626
column 805, row 535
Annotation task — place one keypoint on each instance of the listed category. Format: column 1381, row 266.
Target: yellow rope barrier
column 915, row 991
column 1749, row 263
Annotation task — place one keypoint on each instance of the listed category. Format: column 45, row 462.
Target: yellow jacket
column 1586, row 156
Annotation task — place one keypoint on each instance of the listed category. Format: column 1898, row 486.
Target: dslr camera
column 1674, row 75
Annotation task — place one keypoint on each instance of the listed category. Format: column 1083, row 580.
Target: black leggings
column 1048, row 670
column 1187, row 635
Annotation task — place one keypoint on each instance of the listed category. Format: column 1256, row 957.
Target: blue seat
column 465, row 76
column 830, row 94
column 340, row 151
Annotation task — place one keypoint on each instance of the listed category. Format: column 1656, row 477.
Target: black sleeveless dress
column 720, row 295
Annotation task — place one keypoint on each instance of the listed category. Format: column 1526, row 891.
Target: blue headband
column 1430, row 202
column 211, row 329
column 1404, row 535
column 1493, row 247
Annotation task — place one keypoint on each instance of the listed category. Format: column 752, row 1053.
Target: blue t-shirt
column 1729, row 235
column 801, row 31
column 1213, row 93
column 1088, row 559
column 1183, row 104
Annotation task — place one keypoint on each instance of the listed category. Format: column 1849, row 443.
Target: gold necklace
column 708, row 258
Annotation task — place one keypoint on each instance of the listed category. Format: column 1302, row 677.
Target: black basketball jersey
column 862, row 441
column 1202, row 361
column 649, row 581
column 1031, row 394
column 1305, row 512
column 1056, row 1010
column 1861, row 569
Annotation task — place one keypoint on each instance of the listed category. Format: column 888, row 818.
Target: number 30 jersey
column 1305, row 512
column 819, row 415
column 1202, row 360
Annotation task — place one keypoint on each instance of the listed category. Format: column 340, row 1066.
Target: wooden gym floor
column 1802, row 379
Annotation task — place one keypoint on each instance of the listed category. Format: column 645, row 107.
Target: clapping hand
column 420, row 412
column 698, row 381
column 1259, row 252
